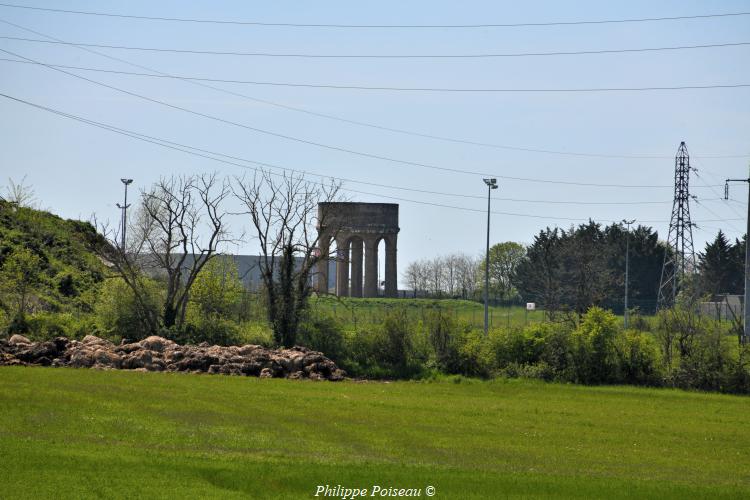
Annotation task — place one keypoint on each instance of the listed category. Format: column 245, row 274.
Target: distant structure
column 357, row 229
column 679, row 259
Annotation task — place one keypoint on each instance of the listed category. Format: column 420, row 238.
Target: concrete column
column 371, row 268
column 342, row 268
column 391, row 274
column 322, row 268
column 356, row 256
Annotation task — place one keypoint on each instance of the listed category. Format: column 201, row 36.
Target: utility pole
column 491, row 184
column 627, row 267
column 124, row 208
column 746, row 332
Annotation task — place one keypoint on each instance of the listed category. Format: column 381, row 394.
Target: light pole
column 124, row 208
column 746, row 332
column 491, row 184
column 627, row 267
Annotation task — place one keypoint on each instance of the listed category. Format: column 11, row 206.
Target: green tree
column 737, row 279
column 504, row 260
column 538, row 276
column 217, row 289
column 19, row 278
column 717, row 266
column 119, row 312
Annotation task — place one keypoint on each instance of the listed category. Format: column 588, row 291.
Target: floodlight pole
column 124, row 208
column 627, row 267
column 746, row 331
column 491, row 184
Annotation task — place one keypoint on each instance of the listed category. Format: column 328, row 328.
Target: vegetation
column 79, row 433
column 53, row 282
column 46, row 265
column 284, row 215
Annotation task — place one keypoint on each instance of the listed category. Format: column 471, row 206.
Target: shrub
column 390, row 350
column 255, row 333
column 705, row 361
column 641, row 360
column 211, row 328
column 540, row 370
column 119, row 314
column 476, row 357
column 46, row 326
column 444, row 336
column 544, row 344
column 594, row 348
column 325, row 334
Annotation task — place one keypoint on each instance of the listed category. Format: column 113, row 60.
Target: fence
column 361, row 312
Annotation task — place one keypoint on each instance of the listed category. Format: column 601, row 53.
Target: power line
column 347, row 120
column 370, row 26
column 714, row 190
column 402, row 89
column 381, row 56
column 187, row 149
column 155, row 140
column 327, row 146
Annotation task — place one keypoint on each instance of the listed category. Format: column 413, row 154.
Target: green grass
column 70, row 433
column 371, row 311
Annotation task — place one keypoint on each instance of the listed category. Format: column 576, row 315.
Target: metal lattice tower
column 680, row 257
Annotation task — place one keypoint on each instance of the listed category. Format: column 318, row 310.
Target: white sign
column 530, row 306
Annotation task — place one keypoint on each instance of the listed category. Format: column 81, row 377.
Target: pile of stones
column 160, row 354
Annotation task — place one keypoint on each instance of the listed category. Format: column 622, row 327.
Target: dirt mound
column 160, row 354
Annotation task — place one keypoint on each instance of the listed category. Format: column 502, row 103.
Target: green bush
column 705, row 361
column 325, row 334
column 257, row 333
column 211, row 328
column 475, row 355
column 545, row 344
column 594, row 348
column 444, row 338
column 390, row 350
column 119, row 314
column 46, row 326
column 540, row 370
column 641, row 359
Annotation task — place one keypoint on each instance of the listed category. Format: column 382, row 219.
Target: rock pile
column 160, row 354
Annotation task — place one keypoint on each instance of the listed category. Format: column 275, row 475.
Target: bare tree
column 467, row 275
column 179, row 226
column 285, row 217
column 20, row 194
column 411, row 277
column 436, row 276
column 451, row 273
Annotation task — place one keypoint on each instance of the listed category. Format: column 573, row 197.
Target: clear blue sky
column 75, row 169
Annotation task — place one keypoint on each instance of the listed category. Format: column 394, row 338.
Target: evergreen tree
column 737, row 267
column 717, row 266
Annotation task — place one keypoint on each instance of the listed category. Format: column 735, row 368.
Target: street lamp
column 491, row 184
column 746, row 331
column 627, row 267
column 124, row 208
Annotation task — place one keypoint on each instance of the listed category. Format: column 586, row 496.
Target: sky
column 624, row 139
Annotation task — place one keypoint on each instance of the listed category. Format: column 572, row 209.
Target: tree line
column 576, row 268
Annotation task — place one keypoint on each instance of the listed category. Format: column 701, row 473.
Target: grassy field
column 69, row 433
column 369, row 311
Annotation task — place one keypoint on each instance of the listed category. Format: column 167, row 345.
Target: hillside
column 70, row 433
column 68, row 270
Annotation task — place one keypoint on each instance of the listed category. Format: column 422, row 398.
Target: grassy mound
column 69, row 271
column 70, row 433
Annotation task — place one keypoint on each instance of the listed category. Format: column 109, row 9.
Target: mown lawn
column 69, row 433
